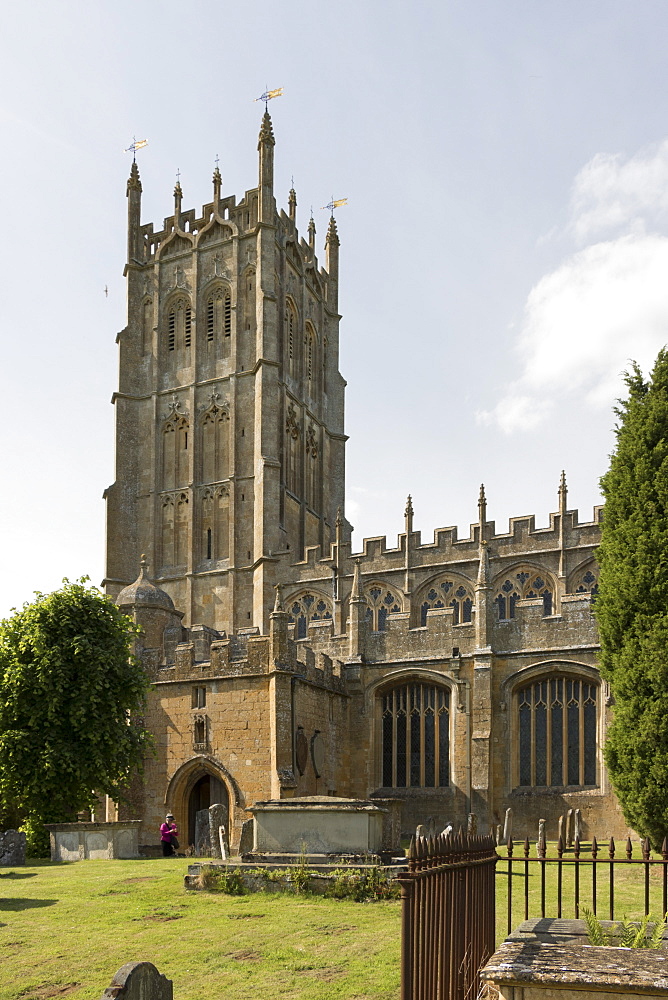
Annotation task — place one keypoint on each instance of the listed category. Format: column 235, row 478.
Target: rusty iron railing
column 447, row 931
column 587, row 869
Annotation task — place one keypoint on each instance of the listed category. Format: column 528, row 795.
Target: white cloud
column 602, row 306
column 609, row 193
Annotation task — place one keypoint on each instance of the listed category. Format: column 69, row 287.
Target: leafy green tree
column 632, row 606
column 69, row 689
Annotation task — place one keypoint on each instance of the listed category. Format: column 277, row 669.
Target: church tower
column 229, row 413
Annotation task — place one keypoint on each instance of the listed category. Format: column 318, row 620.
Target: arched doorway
column 207, row 791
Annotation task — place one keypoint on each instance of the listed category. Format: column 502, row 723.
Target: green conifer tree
column 632, row 606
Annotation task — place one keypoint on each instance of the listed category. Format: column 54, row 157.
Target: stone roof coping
column 317, row 803
column 57, row 827
column 634, row 970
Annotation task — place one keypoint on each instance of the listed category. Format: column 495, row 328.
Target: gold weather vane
column 135, row 145
column 269, row 95
column 334, row 204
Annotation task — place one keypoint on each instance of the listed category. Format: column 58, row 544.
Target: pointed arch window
column 218, row 315
column 215, row 444
column 291, row 338
column 524, row 585
column 557, row 721
column 309, row 357
column 415, row 736
column 382, row 601
column 179, row 325
column 586, row 581
column 306, row 608
column 175, row 463
column 448, row 593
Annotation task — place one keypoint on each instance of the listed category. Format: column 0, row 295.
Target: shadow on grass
column 25, row 904
column 17, row 874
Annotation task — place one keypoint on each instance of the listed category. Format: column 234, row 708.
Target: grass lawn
column 629, row 887
column 65, row 929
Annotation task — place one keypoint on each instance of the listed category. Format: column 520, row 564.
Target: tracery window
column 557, row 725
column 307, row 608
column 448, row 594
column 586, row 581
column 415, row 736
column 523, row 585
column 382, row 601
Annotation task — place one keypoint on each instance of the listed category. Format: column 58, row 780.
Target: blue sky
column 503, row 252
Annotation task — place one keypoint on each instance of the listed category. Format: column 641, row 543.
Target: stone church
column 457, row 675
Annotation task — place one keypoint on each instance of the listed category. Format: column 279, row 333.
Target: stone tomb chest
column 79, row 841
column 317, row 824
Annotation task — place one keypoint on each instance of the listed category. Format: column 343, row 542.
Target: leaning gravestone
column 202, row 835
column 247, row 836
column 218, row 816
column 12, row 848
column 577, row 825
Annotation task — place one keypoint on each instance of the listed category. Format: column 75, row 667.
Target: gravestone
column 541, row 831
column 499, row 834
column 12, row 848
column 139, row 981
column 218, row 816
column 569, row 827
column 448, row 831
column 508, row 826
column 202, row 835
column 472, row 825
column 247, row 836
column 421, row 831
column 577, row 825
column 561, row 832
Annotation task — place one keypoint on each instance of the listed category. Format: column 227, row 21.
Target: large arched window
column 523, row 584
column 306, row 608
column 415, row 734
column 382, row 601
column 557, row 719
column 448, row 593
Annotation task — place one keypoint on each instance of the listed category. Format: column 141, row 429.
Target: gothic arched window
column 448, row 593
column 215, row 443
column 557, row 719
column 175, row 451
column 309, row 357
column 218, row 314
column 179, row 324
column 523, row 585
column 382, row 601
column 415, row 735
column 307, row 608
column 586, row 581
column 291, row 338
